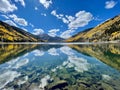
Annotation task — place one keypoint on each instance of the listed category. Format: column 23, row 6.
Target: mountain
column 48, row 38
column 107, row 53
column 107, row 31
column 13, row 34
column 12, row 51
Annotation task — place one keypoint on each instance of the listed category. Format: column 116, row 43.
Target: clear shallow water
column 59, row 67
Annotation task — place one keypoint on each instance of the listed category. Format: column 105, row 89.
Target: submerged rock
column 58, row 85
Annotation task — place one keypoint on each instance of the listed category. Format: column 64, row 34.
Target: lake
column 60, row 67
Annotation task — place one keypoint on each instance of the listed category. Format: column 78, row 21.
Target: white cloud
column 53, row 52
column 5, row 16
column 66, row 50
column 106, row 77
column 11, row 62
column 21, row 63
column 6, row 6
column 79, row 64
column 67, row 34
column 10, row 22
column 7, row 76
column 44, row 14
column 24, row 80
column 54, row 12
column 59, row 16
column 24, row 29
column 38, row 52
column 53, row 32
column 38, row 31
column 31, row 25
column 21, row 1
column 19, row 21
column 46, row 3
column 65, row 20
column 44, row 82
column 70, row 18
column 81, row 19
column 36, row 8
column 110, row 4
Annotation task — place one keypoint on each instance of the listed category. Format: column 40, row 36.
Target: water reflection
column 56, row 67
column 107, row 53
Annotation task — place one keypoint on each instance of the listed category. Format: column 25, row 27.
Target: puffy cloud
column 67, row 34
column 44, row 82
column 53, row 52
column 106, row 77
column 38, row 31
column 7, row 76
column 43, row 14
column 24, row 80
column 36, row 8
column 31, row 25
column 6, row 6
column 66, row 50
column 11, row 62
column 24, row 29
column 59, row 16
column 110, row 4
column 21, row 1
column 45, row 3
column 70, row 18
column 81, row 19
column 53, row 32
column 38, row 53
column 5, row 16
column 10, row 22
column 19, row 21
column 21, row 63
column 79, row 64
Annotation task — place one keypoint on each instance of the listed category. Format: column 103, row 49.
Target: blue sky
column 62, row 18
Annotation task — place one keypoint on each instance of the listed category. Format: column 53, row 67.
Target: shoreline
column 62, row 43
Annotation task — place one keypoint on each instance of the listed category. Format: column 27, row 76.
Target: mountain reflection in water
column 56, row 67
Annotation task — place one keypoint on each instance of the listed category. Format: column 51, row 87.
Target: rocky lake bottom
column 59, row 67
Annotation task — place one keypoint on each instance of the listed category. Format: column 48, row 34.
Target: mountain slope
column 48, row 38
column 12, row 51
column 13, row 34
column 107, row 31
column 107, row 53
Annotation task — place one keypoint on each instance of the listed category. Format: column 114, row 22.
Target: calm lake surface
column 59, row 67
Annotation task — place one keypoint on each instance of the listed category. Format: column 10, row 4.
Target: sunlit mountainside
column 107, row 31
column 13, row 34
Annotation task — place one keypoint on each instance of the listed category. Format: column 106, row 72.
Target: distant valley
column 13, row 34
column 107, row 31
